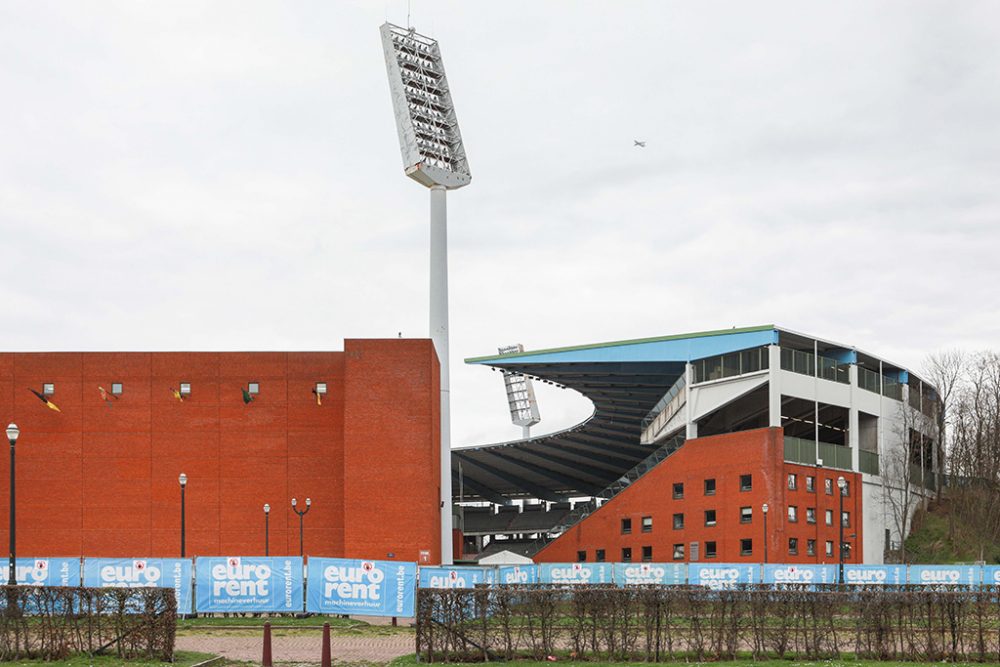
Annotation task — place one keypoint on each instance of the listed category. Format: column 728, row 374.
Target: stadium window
column 678, row 490
column 829, row 517
column 746, row 514
column 253, row 388
column 846, row 491
column 845, row 519
column 793, row 481
column 647, row 524
column 828, row 486
column 793, row 513
column 581, row 556
column 710, row 487
column 810, row 515
column 626, row 526
column 599, row 555
column 829, row 547
column 116, row 388
column 810, row 547
column 678, row 522
column 746, row 547
column 626, row 554
column 678, row 552
column 709, row 517
column 48, row 388
column 746, row 482
column 710, row 550
column 793, row 546
column 647, row 554
column 811, row 484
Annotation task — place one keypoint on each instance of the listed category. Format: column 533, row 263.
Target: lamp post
column 267, row 529
column 183, row 479
column 12, row 432
column 301, row 514
column 763, row 509
column 841, row 485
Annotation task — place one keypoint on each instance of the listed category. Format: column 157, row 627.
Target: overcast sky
column 226, row 176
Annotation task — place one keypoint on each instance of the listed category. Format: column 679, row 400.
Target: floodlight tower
column 520, row 395
column 433, row 155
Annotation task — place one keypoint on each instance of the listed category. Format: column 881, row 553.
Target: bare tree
column 944, row 370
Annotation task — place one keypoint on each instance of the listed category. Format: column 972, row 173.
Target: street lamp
column 842, row 485
column 763, row 509
column 267, row 529
column 12, row 432
column 301, row 514
column 183, row 479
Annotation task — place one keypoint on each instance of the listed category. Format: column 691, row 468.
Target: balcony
column 800, row 450
column 868, row 462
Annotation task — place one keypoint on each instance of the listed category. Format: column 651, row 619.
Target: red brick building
column 706, row 504
column 100, row 477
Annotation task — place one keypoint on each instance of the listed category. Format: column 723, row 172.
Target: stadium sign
column 172, row 573
column 634, row 574
column 575, row 573
column 517, row 574
column 372, row 588
column 235, row 583
column 723, row 575
column 454, row 577
column 44, row 571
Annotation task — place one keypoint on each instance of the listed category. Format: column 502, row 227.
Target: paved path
column 302, row 648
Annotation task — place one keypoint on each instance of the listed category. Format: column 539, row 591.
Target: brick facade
column 100, row 478
column 724, row 459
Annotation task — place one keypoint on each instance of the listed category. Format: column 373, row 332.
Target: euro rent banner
column 575, row 573
column 172, row 573
column 368, row 587
column 875, row 575
column 45, row 571
column 991, row 575
column 800, row 575
column 244, row 583
column 720, row 576
column 454, row 577
column 632, row 574
column 517, row 574
column 944, row 575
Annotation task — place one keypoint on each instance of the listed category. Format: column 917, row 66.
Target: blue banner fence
column 388, row 588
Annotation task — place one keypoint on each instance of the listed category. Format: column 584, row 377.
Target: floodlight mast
column 520, row 395
column 434, row 156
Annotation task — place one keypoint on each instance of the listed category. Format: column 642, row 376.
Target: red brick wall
column 725, row 458
column 101, row 480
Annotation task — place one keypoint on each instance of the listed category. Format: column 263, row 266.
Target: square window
column 810, row 515
column 599, row 555
column 845, row 519
column 116, row 388
column 48, row 388
column 678, row 552
column 846, row 490
column 710, row 550
column 581, row 556
column 678, row 522
column 710, row 487
column 626, row 554
column 626, row 526
column 678, row 490
column 811, row 547
column 320, row 388
column 185, row 389
column 793, row 481
column 829, row 547
column 811, row 484
column 746, row 547
column 746, row 482
column 746, row 514
column 828, row 486
column 647, row 554
column 253, row 388
column 793, row 546
column 793, row 513
column 647, row 524
column 829, row 517
column 709, row 517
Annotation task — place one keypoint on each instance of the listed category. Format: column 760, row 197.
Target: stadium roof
column 624, row 380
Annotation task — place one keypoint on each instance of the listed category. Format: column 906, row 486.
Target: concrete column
column 853, row 435
column 774, row 385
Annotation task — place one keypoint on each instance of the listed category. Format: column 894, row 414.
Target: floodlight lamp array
column 520, row 393
column 430, row 141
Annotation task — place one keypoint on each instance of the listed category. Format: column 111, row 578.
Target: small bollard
column 324, row 660
column 394, row 621
column 266, row 660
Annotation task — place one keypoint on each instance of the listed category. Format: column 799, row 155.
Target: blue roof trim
column 678, row 350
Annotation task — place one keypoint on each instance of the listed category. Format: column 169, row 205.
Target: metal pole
column 12, row 575
column 301, row 550
column 439, row 335
column 182, row 521
column 765, row 538
column 841, row 522
column 267, row 533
